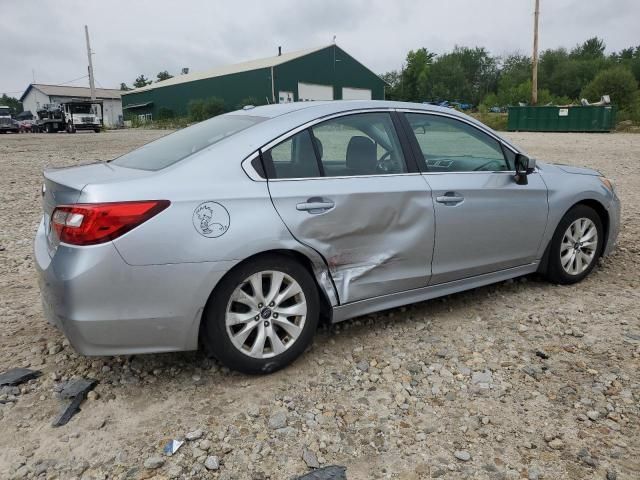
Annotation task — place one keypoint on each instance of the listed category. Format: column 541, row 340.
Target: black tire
column 215, row 337
column 96, row 130
column 555, row 271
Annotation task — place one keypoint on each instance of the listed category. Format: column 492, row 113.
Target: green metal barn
column 324, row 73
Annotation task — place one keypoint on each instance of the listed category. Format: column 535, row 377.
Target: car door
column 343, row 187
column 485, row 221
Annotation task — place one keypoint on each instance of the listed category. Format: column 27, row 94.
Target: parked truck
column 70, row 116
column 7, row 123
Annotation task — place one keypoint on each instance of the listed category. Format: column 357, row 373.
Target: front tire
column 575, row 246
column 262, row 315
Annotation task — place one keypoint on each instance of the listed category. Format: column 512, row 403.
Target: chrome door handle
column 315, row 205
column 449, row 199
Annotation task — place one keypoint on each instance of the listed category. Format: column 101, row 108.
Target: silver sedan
column 239, row 233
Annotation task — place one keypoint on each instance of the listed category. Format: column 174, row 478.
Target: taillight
column 93, row 223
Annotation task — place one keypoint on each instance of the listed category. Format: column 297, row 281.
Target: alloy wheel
column 578, row 247
column 266, row 314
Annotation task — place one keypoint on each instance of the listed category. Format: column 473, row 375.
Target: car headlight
column 608, row 183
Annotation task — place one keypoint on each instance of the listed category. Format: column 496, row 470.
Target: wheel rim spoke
column 242, row 336
column 276, row 343
column 234, row 318
column 256, row 284
column 288, row 292
column 244, row 298
column 276, row 285
column 294, row 310
column 291, row 328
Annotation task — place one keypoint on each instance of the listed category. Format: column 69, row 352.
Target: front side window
column 449, row 145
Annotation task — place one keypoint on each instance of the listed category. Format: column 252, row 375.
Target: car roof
column 337, row 106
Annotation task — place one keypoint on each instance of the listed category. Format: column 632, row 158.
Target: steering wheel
column 386, row 164
column 490, row 162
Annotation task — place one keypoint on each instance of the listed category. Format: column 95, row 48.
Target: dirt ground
column 450, row 388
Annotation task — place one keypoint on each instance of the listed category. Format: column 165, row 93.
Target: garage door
column 356, row 93
column 310, row 91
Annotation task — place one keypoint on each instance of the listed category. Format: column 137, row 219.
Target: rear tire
column 262, row 315
column 576, row 246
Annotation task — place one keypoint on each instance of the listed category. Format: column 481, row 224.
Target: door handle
column 315, row 205
column 450, row 198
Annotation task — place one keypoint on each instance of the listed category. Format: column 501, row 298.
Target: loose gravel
column 519, row 380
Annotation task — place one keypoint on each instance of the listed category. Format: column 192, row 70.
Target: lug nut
column 275, row 315
column 257, row 317
column 271, row 304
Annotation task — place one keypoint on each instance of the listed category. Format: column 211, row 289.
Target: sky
column 45, row 39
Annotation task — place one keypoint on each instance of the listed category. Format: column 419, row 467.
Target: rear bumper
column 614, row 225
column 106, row 307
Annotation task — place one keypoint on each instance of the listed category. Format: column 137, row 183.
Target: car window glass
column 449, row 145
column 361, row 144
column 294, row 158
column 179, row 145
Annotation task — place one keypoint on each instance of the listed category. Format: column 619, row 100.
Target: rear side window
column 183, row 143
column 293, row 158
column 361, row 144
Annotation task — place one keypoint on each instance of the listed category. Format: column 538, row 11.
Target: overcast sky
column 46, row 38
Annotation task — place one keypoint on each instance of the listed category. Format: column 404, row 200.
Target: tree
column 141, row 81
column 163, row 76
column 124, row 87
column 413, row 79
column 202, row 109
column 393, row 89
column 590, row 49
column 617, row 82
column 14, row 103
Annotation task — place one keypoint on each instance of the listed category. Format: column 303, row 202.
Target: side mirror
column 523, row 166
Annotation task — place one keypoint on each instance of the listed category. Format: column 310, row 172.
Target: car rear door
column 485, row 221
column 344, row 187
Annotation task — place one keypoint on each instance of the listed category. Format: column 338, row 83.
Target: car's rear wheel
column 576, row 245
column 262, row 316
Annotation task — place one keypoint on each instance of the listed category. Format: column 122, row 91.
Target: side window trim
column 418, row 151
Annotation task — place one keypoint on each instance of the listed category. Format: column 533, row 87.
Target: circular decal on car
column 211, row 219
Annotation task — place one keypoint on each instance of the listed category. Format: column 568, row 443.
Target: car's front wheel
column 262, row 315
column 576, row 245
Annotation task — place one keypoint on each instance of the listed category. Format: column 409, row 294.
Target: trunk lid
column 64, row 186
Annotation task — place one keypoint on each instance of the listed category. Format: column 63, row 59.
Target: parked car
column 240, row 232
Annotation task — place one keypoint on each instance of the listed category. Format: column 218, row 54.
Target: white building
column 37, row 94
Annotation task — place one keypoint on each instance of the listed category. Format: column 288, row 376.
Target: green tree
column 393, row 89
column 465, row 74
column 413, row 79
column 163, row 76
column 14, row 103
column 141, row 81
column 590, row 49
column 124, row 87
column 617, row 82
column 202, row 109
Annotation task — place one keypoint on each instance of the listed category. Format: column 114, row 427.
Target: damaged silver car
column 240, row 232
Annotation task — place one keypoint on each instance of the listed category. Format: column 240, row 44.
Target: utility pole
column 534, row 69
column 91, row 83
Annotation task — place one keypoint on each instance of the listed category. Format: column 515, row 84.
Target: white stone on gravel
column 212, row 463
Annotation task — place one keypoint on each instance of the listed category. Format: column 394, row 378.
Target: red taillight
column 93, row 223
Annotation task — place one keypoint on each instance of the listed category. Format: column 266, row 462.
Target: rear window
column 179, row 145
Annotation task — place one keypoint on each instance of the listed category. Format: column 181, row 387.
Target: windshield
column 80, row 108
column 5, row 111
column 179, row 145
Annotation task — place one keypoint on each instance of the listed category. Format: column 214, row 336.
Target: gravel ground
column 459, row 387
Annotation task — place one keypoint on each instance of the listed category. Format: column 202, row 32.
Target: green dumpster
column 562, row 119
